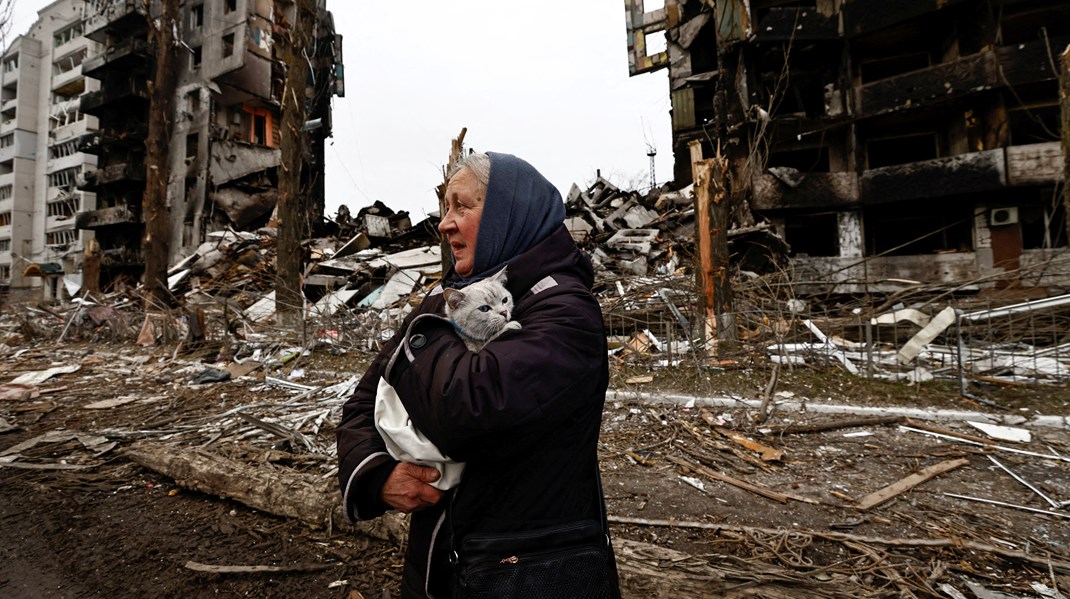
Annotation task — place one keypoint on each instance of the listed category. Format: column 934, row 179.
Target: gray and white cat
column 480, row 312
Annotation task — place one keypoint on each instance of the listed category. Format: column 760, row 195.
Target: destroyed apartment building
column 886, row 142
column 225, row 143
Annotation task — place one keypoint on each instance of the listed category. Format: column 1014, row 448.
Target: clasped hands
column 407, row 489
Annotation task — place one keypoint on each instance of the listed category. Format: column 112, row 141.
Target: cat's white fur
column 481, row 311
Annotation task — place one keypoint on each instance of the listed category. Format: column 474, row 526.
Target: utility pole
column 293, row 49
column 154, row 207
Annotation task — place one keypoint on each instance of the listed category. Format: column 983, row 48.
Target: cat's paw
column 512, row 325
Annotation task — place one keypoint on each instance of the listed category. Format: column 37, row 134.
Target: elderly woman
column 523, row 413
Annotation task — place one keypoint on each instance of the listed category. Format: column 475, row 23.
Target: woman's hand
column 407, row 489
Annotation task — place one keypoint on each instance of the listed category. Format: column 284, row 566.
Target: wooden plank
column 818, row 427
column 199, row 567
column 878, row 497
column 735, row 482
column 768, row 454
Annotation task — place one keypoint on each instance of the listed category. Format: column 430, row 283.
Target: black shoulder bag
column 573, row 561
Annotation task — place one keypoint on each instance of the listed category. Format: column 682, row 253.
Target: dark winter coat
column 523, row 414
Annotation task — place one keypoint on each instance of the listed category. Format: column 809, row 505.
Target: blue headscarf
column 521, row 209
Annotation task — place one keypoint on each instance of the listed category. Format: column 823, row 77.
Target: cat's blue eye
column 484, row 308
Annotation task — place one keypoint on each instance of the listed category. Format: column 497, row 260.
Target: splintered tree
column 161, row 122
column 1064, row 104
column 293, row 48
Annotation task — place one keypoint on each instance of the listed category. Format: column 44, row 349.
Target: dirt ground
column 79, row 519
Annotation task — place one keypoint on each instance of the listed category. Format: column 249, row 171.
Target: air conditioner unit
column 999, row 217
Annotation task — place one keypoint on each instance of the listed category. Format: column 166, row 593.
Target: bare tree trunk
column 154, row 206
column 91, row 267
column 700, row 174
column 456, row 149
column 722, row 280
column 1064, row 104
column 293, row 49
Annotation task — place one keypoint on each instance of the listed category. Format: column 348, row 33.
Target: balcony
column 128, row 55
column 132, row 91
column 59, row 223
column 58, row 164
column 70, row 83
column 105, row 217
column 7, row 108
column 65, row 132
column 133, row 134
column 115, row 17
column 114, row 175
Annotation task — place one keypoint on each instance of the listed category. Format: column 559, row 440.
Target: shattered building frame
column 888, row 142
column 225, row 145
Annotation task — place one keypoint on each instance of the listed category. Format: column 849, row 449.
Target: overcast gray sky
column 547, row 81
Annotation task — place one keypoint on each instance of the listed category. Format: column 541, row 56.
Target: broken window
column 5, row 270
column 901, row 150
column 65, row 207
column 5, row 245
column 260, row 132
column 228, row 45
column 195, row 57
column 67, row 34
column 192, row 140
column 65, row 114
column 6, row 191
column 64, row 178
column 885, row 67
column 1033, row 124
column 57, row 238
column 918, row 227
column 196, row 16
column 62, row 150
column 7, row 140
column 230, row 6
column 1043, row 220
column 808, row 160
column 193, row 101
column 11, row 64
column 69, row 62
column 813, row 234
column 5, row 218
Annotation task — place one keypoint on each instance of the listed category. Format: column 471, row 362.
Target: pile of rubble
column 363, row 273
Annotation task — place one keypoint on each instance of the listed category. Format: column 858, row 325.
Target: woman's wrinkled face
column 460, row 224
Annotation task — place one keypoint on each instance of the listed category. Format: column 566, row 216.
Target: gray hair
column 479, row 164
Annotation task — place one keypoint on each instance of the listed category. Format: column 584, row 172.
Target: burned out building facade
column 225, row 145
column 41, row 82
column 886, row 141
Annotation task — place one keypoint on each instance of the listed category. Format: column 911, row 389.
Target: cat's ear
column 453, row 297
column 500, row 275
